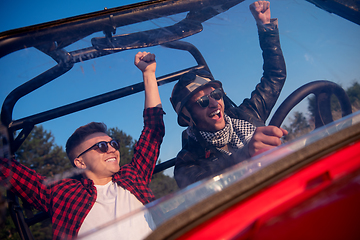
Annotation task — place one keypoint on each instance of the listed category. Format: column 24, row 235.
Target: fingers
column 138, row 56
column 261, row 11
column 260, row 6
column 265, row 138
column 272, row 131
column 144, row 56
column 145, row 61
column 148, row 57
column 285, row 132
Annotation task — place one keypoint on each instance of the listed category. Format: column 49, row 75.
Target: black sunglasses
column 103, row 146
column 204, row 101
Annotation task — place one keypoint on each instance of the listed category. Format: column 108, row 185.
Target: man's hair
column 79, row 136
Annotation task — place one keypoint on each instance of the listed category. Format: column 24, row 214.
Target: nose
column 111, row 148
column 213, row 102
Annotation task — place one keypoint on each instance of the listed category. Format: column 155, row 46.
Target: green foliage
column 300, row 125
column 42, row 230
column 162, row 185
column 8, row 229
column 40, row 153
column 353, row 93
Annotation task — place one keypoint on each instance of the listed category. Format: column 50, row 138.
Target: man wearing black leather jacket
column 219, row 138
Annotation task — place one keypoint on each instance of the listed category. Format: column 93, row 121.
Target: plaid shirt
column 70, row 200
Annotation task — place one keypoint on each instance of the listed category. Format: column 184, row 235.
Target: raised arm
column 25, row 183
column 145, row 61
column 147, row 148
column 257, row 109
column 267, row 137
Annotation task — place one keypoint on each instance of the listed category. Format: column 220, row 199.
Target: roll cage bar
column 51, row 38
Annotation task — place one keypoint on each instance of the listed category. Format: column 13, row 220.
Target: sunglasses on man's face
column 204, row 101
column 103, row 146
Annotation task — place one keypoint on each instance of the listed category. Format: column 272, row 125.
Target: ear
column 187, row 117
column 79, row 163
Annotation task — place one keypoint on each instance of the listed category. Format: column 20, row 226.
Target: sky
column 317, row 45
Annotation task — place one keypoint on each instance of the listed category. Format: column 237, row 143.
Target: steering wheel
column 323, row 90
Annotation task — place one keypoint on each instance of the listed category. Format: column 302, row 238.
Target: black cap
column 189, row 84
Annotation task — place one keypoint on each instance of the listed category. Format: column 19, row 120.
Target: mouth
column 215, row 113
column 110, row 160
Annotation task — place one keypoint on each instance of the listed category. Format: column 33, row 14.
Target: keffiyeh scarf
column 237, row 133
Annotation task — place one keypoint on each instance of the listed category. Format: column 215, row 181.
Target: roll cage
column 52, row 38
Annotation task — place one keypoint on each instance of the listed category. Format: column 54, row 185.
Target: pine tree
column 40, row 153
column 162, row 185
column 299, row 126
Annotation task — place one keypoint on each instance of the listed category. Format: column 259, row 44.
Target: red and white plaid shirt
column 69, row 201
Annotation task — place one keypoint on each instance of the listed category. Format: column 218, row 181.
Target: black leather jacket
column 196, row 160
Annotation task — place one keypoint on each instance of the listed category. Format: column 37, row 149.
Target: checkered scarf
column 236, row 132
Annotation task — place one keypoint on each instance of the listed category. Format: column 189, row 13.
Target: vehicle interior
column 61, row 73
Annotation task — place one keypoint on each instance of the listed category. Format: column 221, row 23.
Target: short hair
column 79, row 136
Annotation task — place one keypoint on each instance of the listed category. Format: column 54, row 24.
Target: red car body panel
column 321, row 201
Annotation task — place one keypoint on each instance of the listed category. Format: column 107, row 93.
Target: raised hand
column 145, row 61
column 261, row 11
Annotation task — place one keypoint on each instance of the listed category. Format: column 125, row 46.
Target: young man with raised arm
column 104, row 191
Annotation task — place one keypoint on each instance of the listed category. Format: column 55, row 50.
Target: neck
column 101, row 181
column 98, row 180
